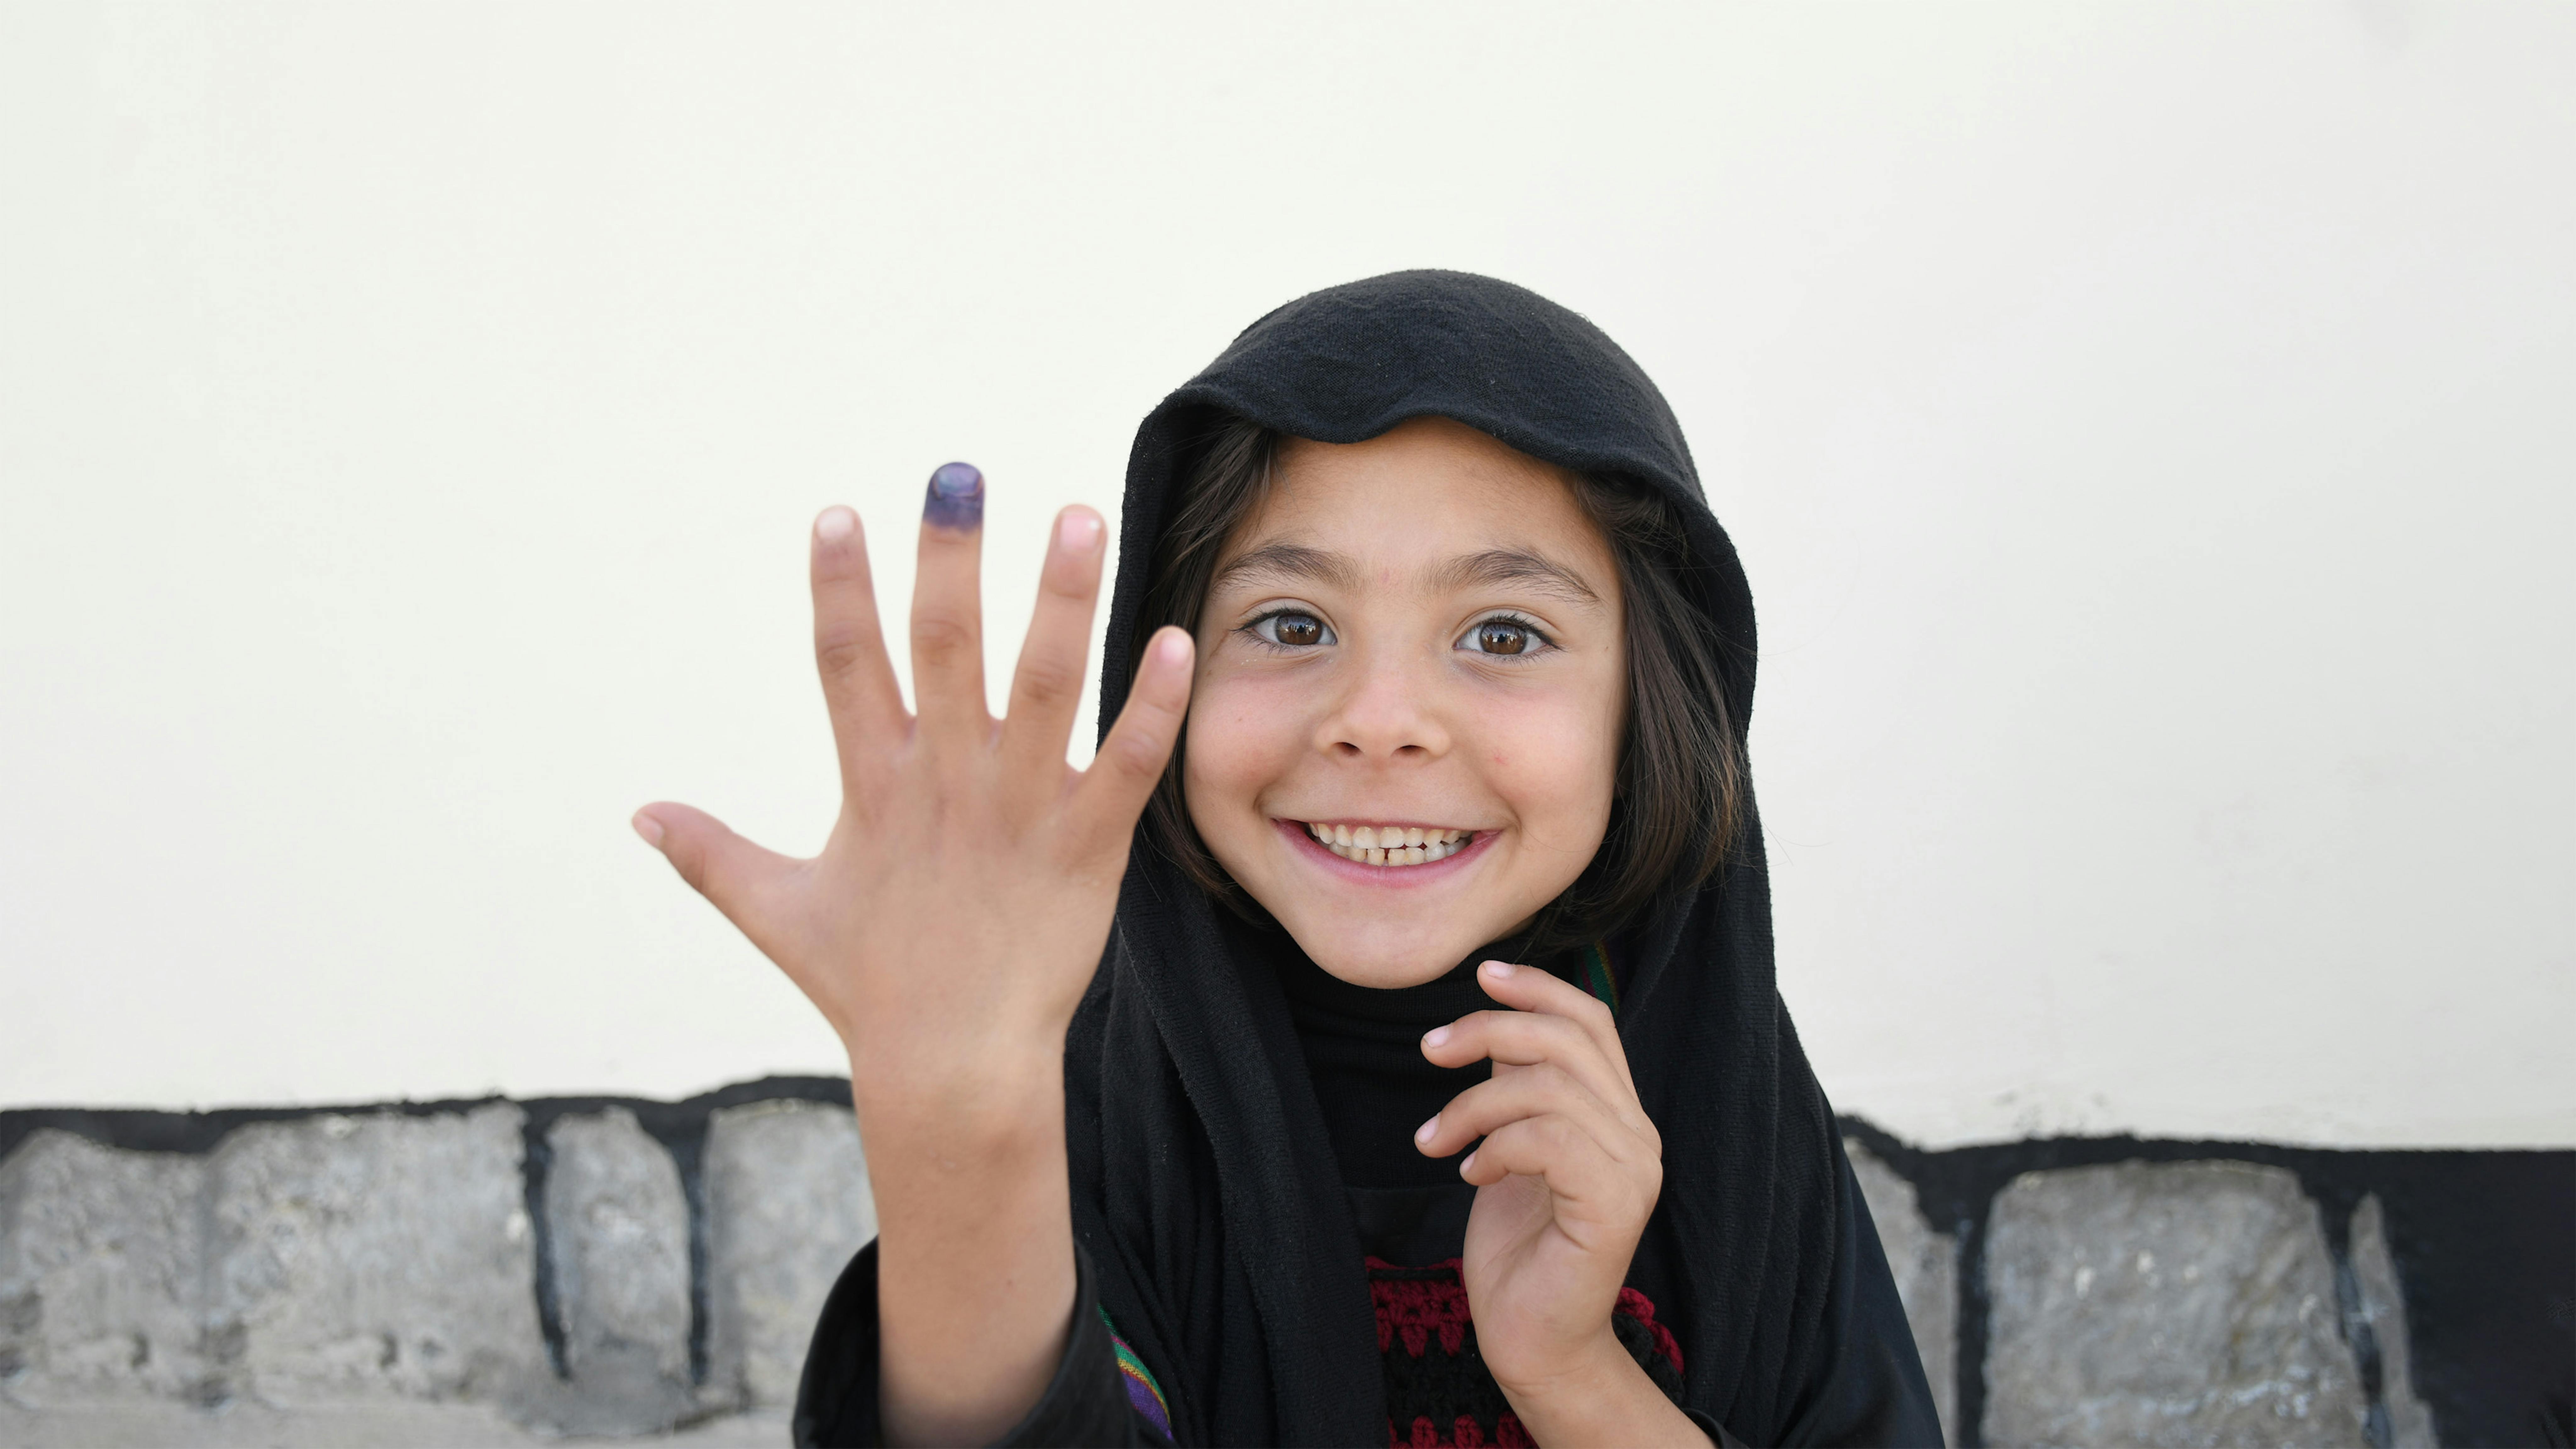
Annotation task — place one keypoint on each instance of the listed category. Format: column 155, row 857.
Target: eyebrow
column 1518, row 566
column 1287, row 562
column 1493, row 567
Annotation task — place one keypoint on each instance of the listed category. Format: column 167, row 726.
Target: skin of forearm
column 1604, row 1398
column 975, row 1271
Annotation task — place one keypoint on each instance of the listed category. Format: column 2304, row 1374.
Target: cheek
column 1556, row 761
column 1242, row 736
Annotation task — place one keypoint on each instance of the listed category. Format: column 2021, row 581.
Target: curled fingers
column 1543, row 1090
column 1520, row 1041
column 1578, row 1171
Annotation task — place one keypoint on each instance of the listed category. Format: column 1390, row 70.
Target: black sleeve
column 1872, row 1391
column 1085, row 1403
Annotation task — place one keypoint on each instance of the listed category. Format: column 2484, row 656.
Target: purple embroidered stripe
column 1143, row 1394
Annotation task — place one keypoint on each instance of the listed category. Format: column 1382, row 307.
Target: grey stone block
column 101, row 1278
column 377, row 1423
column 787, row 1206
column 2383, row 1310
column 2181, row 1304
column 384, row 1256
column 1926, row 1266
column 618, row 1229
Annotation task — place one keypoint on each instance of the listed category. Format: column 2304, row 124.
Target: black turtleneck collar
column 1363, row 1049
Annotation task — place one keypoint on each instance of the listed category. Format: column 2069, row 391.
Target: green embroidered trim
column 1133, row 1370
column 1596, row 975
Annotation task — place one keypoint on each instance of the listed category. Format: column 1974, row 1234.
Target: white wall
column 2148, row 429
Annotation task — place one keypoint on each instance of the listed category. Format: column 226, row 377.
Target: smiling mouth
column 1389, row 845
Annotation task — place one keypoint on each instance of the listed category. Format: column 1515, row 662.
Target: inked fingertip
column 955, row 498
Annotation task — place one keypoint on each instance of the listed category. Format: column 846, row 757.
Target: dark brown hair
column 1678, row 799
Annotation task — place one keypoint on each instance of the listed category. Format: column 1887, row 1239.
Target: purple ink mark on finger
column 956, row 498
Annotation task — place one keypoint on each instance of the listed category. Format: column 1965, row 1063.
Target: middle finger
column 948, row 611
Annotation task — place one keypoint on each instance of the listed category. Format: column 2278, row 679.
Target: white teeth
column 1392, row 845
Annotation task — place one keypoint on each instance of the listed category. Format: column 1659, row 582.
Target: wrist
column 1595, row 1392
column 963, row 1103
column 1569, row 1374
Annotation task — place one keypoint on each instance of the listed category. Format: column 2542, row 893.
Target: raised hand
column 947, row 931
column 1566, row 1177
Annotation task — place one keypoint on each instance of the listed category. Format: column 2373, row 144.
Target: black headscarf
column 1204, row 1187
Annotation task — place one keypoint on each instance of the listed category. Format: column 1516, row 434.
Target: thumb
column 732, row 873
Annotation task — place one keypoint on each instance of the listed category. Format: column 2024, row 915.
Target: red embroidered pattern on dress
column 1425, row 1312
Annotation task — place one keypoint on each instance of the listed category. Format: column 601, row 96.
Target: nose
column 1385, row 715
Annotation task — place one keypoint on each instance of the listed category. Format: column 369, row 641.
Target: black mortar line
column 536, row 1163
column 681, row 1129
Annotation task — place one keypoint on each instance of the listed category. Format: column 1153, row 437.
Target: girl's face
column 1413, row 647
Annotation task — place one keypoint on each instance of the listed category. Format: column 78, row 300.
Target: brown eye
column 1500, row 636
column 1292, row 629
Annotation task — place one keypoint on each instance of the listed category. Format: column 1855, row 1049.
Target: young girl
column 1378, row 1043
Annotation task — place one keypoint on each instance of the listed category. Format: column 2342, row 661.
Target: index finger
column 1529, row 989
column 849, row 643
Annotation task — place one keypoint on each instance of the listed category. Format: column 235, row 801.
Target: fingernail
column 956, row 497
column 835, row 524
column 1423, row 1132
column 1436, row 1036
column 1467, row 1165
column 1078, row 532
column 1173, row 648
column 1499, row 970
column 649, row 828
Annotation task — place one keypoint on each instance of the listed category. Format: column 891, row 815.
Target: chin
column 1383, row 955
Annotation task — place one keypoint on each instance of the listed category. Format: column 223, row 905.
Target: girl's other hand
column 947, row 931
column 1567, row 1175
